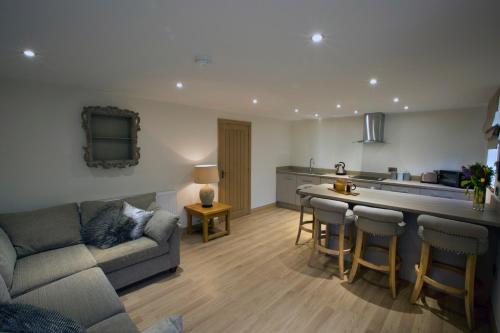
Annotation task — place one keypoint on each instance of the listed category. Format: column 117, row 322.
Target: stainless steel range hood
column 373, row 128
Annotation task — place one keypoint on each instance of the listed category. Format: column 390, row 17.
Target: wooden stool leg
column 421, row 270
column 470, row 272
column 392, row 265
column 341, row 251
column 300, row 224
column 357, row 254
column 317, row 234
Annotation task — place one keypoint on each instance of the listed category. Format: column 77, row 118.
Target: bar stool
column 378, row 222
column 453, row 236
column 305, row 202
column 331, row 212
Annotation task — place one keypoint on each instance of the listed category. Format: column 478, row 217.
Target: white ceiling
column 432, row 54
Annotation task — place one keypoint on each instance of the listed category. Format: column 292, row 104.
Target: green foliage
column 477, row 176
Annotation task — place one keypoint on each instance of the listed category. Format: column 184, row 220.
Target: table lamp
column 206, row 174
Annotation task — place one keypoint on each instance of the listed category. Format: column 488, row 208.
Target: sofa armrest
column 161, row 226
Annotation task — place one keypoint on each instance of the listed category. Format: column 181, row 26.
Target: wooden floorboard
column 257, row 280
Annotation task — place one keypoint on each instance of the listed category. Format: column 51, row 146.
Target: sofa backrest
column 8, row 258
column 43, row 229
column 89, row 209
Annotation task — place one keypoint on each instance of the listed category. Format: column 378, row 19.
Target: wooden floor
column 257, row 280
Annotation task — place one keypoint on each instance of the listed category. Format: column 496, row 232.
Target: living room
column 160, row 161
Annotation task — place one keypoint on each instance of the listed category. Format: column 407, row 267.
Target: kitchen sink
column 365, row 177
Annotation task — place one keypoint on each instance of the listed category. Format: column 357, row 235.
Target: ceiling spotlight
column 339, row 106
column 179, row 85
column 29, row 53
column 373, row 81
column 356, row 112
column 395, row 99
column 255, row 101
column 296, row 110
column 316, row 115
column 406, row 107
column 317, row 38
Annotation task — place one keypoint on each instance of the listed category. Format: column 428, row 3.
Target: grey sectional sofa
column 43, row 263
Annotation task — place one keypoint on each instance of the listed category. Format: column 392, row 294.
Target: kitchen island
column 409, row 243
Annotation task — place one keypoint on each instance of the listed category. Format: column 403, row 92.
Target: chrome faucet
column 311, row 163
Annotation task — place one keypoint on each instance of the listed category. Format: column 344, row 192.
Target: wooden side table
column 217, row 210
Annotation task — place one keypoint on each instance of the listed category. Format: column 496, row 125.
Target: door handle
column 222, row 174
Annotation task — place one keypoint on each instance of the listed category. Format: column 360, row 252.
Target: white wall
column 41, row 141
column 415, row 141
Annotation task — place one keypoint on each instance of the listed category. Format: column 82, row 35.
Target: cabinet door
column 444, row 194
column 286, row 185
column 373, row 186
column 401, row 189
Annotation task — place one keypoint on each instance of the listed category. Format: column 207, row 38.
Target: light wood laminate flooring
column 257, row 280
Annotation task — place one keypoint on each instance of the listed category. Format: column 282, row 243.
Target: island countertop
column 459, row 210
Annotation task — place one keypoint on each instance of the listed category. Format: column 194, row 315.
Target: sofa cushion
column 86, row 297
column 139, row 216
column 118, row 323
column 89, row 209
column 126, row 254
column 32, row 319
column 161, row 226
column 4, row 292
column 7, row 258
column 45, row 267
column 43, row 229
column 172, row 324
column 108, row 228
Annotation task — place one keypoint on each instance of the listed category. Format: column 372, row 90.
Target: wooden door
column 234, row 139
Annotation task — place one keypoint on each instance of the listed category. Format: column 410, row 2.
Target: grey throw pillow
column 139, row 216
column 161, row 226
column 108, row 228
column 27, row 318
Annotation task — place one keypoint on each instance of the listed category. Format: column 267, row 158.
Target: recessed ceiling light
column 317, row 38
column 179, row 85
column 296, row 110
column 339, row 106
column 356, row 112
column 255, row 101
column 395, row 99
column 29, row 53
column 406, row 107
column 316, row 115
column 373, row 81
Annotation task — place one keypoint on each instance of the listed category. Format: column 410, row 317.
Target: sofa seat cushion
column 45, row 267
column 128, row 253
column 43, row 229
column 86, row 297
column 118, row 323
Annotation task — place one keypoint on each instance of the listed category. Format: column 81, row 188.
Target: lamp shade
column 206, row 174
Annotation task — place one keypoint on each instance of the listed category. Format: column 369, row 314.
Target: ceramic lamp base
column 206, row 196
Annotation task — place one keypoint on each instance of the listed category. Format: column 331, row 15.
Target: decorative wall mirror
column 111, row 137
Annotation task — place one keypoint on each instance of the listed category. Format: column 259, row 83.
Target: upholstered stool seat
column 331, row 212
column 305, row 202
column 453, row 236
column 378, row 222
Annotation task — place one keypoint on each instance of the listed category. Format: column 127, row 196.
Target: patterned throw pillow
column 27, row 318
column 108, row 228
column 140, row 217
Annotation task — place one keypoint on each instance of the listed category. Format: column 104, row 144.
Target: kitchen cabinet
column 373, row 186
column 401, row 189
column 286, row 184
column 444, row 194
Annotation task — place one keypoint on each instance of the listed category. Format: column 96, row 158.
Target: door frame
column 221, row 121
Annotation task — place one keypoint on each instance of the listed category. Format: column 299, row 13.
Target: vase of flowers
column 478, row 177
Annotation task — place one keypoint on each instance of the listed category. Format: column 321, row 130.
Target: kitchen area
column 417, row 164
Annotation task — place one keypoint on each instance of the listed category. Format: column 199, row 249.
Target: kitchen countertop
column 459, row 210
column 325, row 173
